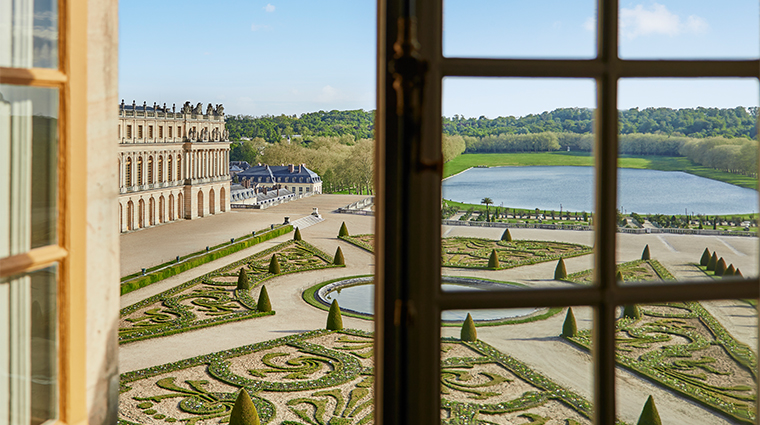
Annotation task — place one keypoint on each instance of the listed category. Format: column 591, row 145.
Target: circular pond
column 357, row 295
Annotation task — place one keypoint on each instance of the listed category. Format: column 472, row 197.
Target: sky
column 296, row 56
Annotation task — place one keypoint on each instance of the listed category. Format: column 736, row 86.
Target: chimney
column 291, row 167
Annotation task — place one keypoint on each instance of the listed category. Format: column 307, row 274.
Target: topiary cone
column 244, row 412
column 713, row 262
column 242, row 282
column 730, row 271
column 334, row 319
column 506, row 236
column 569, row 328
column 343, row 230
column 705, row 258
column 274, row 265
column 468, row 332
column 646, row 255
column 264, row 304
column 649, row 415
column 297, row 235
column 720, row 268
column 632, row 311
column 560, row 273
column 619, row 276
column 338, row 260
column 738, row 273
column 493, row 260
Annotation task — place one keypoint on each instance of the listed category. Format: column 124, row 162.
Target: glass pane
column 524, row 372
column 29, row 33
column 518, row 188
column 545, row 28
column 28, row 337
column 680, row 29
column 696, row 360
column 28, row 168
column 687, row 179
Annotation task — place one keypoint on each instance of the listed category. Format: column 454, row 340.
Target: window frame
column 408, row 183
column 70, row 78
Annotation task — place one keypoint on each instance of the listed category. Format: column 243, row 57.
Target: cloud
column 268, row 8
column 255, row 27
column 657, row 20
column 328, row 94
column 590, row 24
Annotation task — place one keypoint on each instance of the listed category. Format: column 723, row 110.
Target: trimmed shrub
column 338, row 260
column 264, row 304
column 649, row 415
column 730, row 271
column 713, row 262
column 569, row 328
column 343, row 230
column 493, row 260
column 632, row 311
column 334, row 319
column 646, row 255
column 705, row 258
column 297, row 235
column 619, row 276
column 468, row 333
column 274, row 265
column 506, row 236
column 242, row 282
column 720, row 268
column 738, row 273
column 560, row 273
column 244, row 412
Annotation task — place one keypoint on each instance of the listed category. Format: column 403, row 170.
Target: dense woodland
column 337, row 144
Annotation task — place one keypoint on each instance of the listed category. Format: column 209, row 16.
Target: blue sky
column 295, row 56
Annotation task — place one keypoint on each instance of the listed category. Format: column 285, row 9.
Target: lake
column 640, row 191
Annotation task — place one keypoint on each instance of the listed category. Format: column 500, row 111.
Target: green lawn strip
column 346, row 382
column 354, row 240
column 585, row 159
column 169, row 302
column 582, row 277
column 148, row 279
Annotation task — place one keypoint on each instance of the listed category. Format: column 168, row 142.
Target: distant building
column 296, row 178
column 172, row 165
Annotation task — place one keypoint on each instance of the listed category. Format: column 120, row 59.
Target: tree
column 244, row 412
column 264, row 304
column 297, row 235
column 713, row 262
column 619, row 276
column 506, row 236
column 487, row 201
column 645, row 255
column 730, row 271
column 274, row 265
column 343, row 230
column 560, row 273
column 468, row 332
column 569, row 328
column 632, row 311
column 493, row 260
column 242, row 282
column 334, row 319
column 738, row 273
column 720, row 267
column 649, row 415
column 338, row 260
column 705, row 258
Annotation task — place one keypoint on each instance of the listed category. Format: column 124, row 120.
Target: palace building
column 173, row 165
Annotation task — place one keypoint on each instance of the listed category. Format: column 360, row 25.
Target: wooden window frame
column 408, row 297
column 70, row 79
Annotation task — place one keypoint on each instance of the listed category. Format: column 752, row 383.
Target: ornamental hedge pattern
column 326, row 377
column 213, row 298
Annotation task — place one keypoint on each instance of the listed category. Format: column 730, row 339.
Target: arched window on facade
column 128, row 172
column 200, row 203
column 211, row 202
column 160, row 169
column 222, row 200
column 150, row 170
column 180, row 206
column 169, row 168
column 139, row 172
column 171, row 206
column 179, row 167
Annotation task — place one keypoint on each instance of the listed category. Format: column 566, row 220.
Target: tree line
column 358, row 123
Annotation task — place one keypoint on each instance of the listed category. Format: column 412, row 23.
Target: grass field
column 661, row 163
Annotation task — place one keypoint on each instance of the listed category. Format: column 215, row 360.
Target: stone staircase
column 307, row 221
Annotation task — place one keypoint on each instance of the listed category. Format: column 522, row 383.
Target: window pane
column 687, row 179
column 516, row 373
column 545, row 28
column 29, row 33
column 683, row 29
column 28, row 357
column 697, row 360
column 518, row 188
column 28, row 168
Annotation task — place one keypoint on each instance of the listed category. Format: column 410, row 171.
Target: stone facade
column 173, row 165
column 296, row 178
